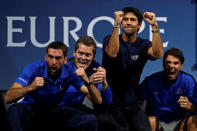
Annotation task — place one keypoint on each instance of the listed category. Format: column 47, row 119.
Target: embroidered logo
column 156, row 92
column 179, row 91
column 61, row 88
column 134, row 57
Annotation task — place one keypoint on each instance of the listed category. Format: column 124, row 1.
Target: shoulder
column 143, row 42
column 154, row 77
column 187, row 76
column 94, row 64
column 36, row 66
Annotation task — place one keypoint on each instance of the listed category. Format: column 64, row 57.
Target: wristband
column 116, row 26
column 155, row 31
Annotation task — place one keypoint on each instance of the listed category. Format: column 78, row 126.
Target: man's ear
column 45, row 57
column 139, row 26
column 74, row 52
column 65, row 59
column 182, row 65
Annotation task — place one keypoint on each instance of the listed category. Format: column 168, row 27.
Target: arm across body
column 17, row 91
column 99, row 78
column 89, row 89
column 185, row 103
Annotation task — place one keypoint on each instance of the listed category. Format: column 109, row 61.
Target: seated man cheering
column 171, row 95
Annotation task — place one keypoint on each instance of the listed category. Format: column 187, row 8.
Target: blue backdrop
column 27, row 26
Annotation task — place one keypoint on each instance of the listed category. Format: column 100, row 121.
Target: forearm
column 157, row 45
column 104, row 85
column 192, row 108
column 106, row 96
column 15, row 94
column 113, row 46
column 94, row 94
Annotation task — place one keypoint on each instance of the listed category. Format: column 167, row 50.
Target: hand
column 185, row 103
column 118, row 15
column 150, row 18
column 99, row 77
column 81, row 72
column 38, row 82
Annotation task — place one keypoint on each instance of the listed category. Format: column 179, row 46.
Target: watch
column 89, row 83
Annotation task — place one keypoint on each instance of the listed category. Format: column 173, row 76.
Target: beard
column 129, row 33
column 53, row 75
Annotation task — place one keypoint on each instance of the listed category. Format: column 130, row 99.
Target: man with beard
column 171, row 95
column 124, row 58
column 94, row 76
column 41, row 84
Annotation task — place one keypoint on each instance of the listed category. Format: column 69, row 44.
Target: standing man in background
column 124, row 58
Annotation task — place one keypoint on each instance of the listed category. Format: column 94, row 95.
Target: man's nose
column 171, row 65
column 128, row 22
column 83, row 56
column 54, row 60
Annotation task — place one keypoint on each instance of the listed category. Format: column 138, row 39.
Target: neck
column 168, row 80
column 131, row 38
column 54, row 76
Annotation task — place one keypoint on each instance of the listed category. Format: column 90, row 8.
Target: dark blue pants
column 123, row 117
column 130, row 116
column 29, row 117
column 73, row 118
column 24, row 117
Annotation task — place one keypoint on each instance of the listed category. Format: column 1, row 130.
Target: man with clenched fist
column 171, row 96
column 124, row 58
column 41, row 86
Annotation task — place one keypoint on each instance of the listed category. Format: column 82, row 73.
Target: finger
column 94, row 69
column 98, row 76
column 97, row 80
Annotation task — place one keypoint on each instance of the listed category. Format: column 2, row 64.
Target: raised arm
column 156, row 51
column 17, row 91
column 112, row 47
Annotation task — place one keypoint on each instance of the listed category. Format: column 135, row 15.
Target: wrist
column 155, row 30
column 116, row 25
column 88, row 83
column 192, row 108
column 104, row 85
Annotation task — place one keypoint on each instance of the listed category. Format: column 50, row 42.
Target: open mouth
column 171, row 74
column 82, row 64
column 53, row 69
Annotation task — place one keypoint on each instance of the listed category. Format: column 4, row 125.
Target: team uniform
column 123, row 75
column 73, row 95
column 40, row 102
column 74, row 112
column 162, row 97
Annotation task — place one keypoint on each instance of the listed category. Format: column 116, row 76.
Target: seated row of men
column 54, row 90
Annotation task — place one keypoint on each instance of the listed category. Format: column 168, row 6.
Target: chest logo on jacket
column 134, row 57
column 179, row 91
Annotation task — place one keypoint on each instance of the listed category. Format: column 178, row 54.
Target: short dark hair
column 176, row 53
column 88, row 41
column 134, row 10
column 58, row 45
